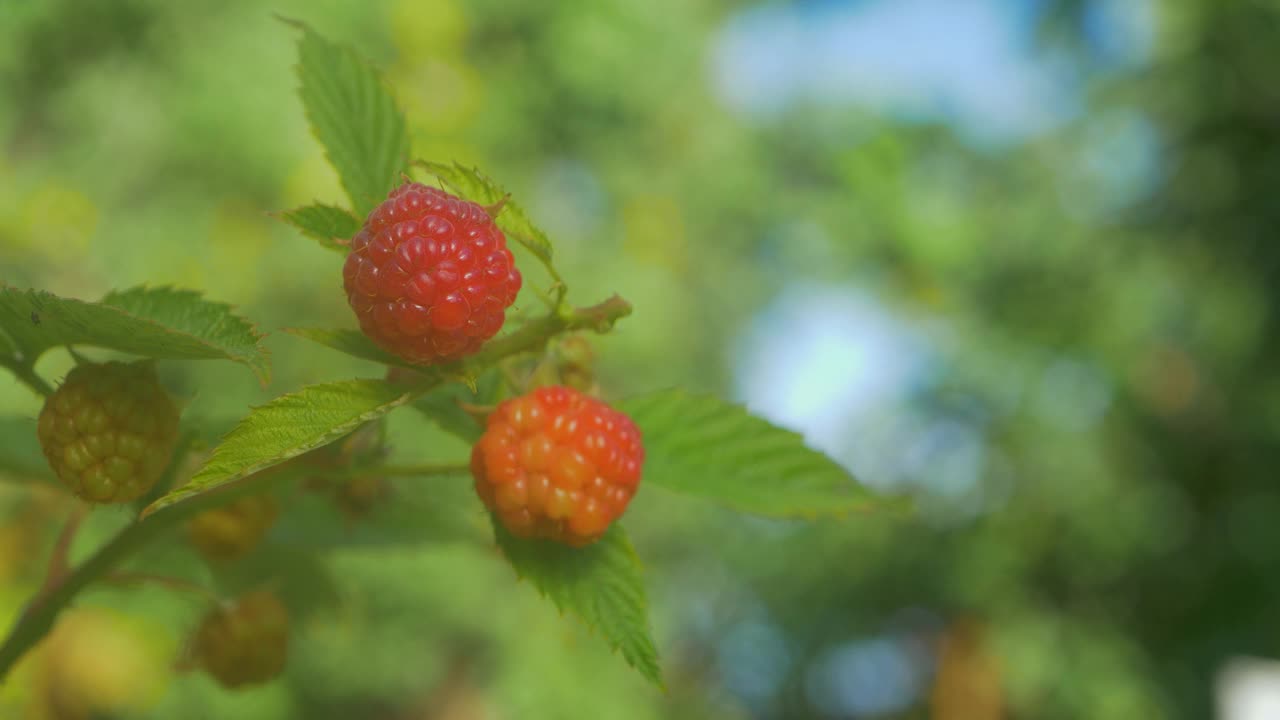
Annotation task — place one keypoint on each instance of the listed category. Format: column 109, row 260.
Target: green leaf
column 158, row 322
column 441, row 405
column 351, row 342
column 354, row 117
column 703, row 446
column 20, row 456
column 602, row 584
column 469, row 184
column 331, row 226
column 8, row 348
column 285, row 428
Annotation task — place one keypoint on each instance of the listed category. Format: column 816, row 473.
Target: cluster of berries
column 430, row 279
column 109, row 432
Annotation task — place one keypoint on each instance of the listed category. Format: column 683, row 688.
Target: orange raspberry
column 557, row 464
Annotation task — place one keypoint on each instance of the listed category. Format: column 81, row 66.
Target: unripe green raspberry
column 109, row 431
column 227, row 533
column 245, row 642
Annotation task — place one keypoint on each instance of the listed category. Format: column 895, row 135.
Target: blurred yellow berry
column 229, row 532
column 245, row 642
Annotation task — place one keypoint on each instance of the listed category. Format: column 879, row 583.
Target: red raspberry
column 109, row 431
column 245, row 642
column 429, row 275
column 557, row 464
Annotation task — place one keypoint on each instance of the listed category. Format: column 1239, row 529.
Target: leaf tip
column 495, row 209
column 150, row 510
column 291, row 21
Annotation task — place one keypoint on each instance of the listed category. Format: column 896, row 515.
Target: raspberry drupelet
column 429, row 275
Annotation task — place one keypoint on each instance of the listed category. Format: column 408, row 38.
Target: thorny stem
column 38, row 618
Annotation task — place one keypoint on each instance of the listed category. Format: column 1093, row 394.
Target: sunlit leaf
column 331, row 226
column 354, row 117
column 158, row 322
column 469, row 184
column 285, row 428
column 700, row 445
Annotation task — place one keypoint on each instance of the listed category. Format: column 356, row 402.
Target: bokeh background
column 1016, row 258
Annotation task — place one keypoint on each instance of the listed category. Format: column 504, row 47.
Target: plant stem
column 38, row 617
column 535, row 334
column 58, row 561
column 29, row 378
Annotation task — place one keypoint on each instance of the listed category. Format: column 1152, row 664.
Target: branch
column 534, row 335
column 36, row 621
column 58, row 562
column 29, row 378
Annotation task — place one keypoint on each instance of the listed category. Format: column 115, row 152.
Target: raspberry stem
column 535, row 334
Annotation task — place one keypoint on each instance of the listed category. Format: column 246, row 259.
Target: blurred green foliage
column 1116, row 358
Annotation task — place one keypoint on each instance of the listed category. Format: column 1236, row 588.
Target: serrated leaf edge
column 881, row 505
column 262, row 371
column 332, row 242
column 540, row 247
column 264, row 376
column 311, row 121
column 593, row 627
column 179, row 495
